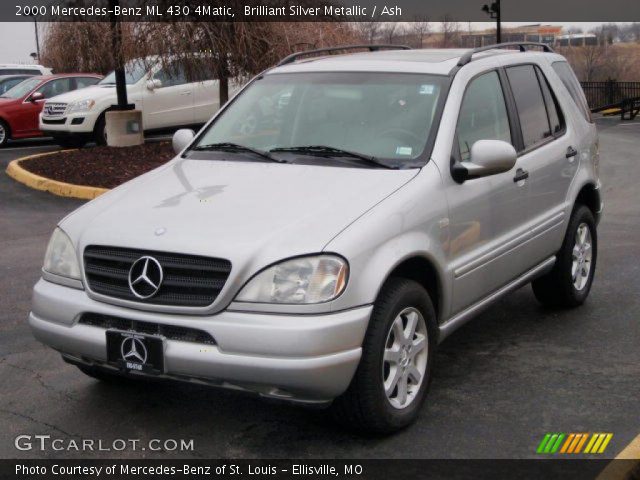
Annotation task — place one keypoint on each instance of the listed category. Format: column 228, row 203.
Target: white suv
column 164, row 95
column 20, row 69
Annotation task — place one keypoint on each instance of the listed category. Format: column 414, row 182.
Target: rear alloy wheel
column 391, row 381
column 569, row 283
column 4, row 134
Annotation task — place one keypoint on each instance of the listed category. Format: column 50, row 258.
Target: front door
column 488, row 219
column 170, row 103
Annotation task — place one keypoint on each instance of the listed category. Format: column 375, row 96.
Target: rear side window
column 483, row 115
column 575, row 90
column 530, row 104
column 556, row 119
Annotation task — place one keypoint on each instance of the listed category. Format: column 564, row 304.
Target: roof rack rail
column 467, row 57
column 372, row 48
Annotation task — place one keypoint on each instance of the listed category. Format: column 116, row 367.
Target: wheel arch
column 589, row 196
column 424, row 271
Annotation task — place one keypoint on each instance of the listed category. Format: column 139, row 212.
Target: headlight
column 60, row 258
column 298, row 281
column 82, row 106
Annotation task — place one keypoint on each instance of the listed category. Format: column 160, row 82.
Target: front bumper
column 308, row 358
column 74, row 123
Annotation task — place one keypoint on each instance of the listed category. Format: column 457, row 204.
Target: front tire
column 394, row 373
column 569, row 283
column 100, row 131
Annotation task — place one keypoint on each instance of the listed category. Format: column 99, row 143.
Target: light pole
column 494, row 12
column 35, row 24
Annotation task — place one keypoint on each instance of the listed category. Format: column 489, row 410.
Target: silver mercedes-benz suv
column 333, row 223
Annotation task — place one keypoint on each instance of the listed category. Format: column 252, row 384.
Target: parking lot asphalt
column 500, row 383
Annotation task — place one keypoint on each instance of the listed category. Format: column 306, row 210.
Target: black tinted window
column 575, row 90
column 171, row 75
column 553, row 109
column 530, row 104
column 483, row 115
column 55, row 87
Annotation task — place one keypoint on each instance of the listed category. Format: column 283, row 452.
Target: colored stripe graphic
column 572, row 443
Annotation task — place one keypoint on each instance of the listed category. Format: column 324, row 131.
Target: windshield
column 22, row 88
column 133, row 72
column 387, row 116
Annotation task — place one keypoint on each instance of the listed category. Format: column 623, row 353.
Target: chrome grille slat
column 189, row 280
column 53, row 109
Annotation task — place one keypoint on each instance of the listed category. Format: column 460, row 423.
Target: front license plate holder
column 135, row 352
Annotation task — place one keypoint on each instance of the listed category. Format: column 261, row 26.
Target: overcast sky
column 17, row 40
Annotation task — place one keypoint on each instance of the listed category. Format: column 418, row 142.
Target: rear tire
column 4, row 133
column 385, row 394
column 569, row 283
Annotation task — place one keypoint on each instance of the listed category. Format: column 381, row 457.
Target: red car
column 20, row 106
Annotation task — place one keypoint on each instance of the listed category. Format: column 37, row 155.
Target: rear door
column 170, row 104
column 547, row 154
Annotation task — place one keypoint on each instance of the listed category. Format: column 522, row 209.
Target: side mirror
column 153, row 84
column 36, row 96
column 181, row 139
column 488, row 157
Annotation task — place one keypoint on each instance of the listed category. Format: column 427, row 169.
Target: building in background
column 528, row 33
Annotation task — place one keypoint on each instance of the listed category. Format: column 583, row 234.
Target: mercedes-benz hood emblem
column 145, row 277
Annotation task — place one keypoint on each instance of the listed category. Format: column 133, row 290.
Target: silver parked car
column 333, row 223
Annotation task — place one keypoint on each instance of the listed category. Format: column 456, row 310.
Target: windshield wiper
column 332, row 152
column 235, row 148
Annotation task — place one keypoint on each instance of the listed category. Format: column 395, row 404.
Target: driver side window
column 483, row 114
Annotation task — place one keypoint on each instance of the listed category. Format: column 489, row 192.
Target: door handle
column 520, row 175
column 571, row 152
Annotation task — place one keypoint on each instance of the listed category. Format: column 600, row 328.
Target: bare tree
column 450, row 32
column 368, row 32
column 389, row 32
column 222, row 50
column 420, row 29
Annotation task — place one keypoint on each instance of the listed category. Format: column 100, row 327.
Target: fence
column 610, row 93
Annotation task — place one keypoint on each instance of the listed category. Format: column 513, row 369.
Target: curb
column 62, row 189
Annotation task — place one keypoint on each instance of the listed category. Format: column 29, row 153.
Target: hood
column 9, row 101
column 93, row 92
column 250, row 213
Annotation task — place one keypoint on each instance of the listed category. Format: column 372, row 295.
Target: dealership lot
column 500, row 383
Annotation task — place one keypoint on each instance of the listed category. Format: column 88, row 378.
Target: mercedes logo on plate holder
column 145, row 277
column 133, row 350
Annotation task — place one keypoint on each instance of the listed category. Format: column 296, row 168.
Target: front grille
column 172, row 332
column 189, row 281
column 54, row 109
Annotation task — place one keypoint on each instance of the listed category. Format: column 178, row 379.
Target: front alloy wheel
column 4, row 134
column 391, row 381
column 405, row 358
